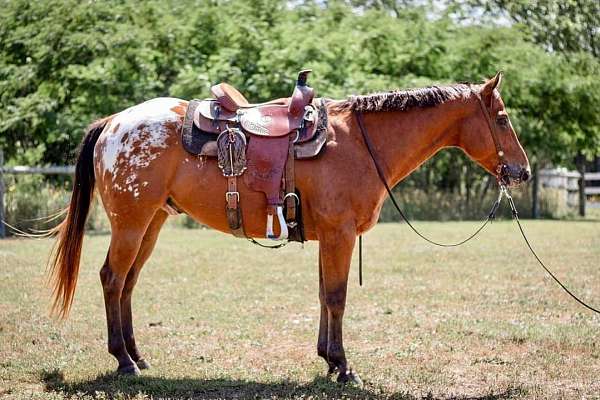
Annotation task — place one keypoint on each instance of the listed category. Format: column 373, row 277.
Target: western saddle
column 261, row 142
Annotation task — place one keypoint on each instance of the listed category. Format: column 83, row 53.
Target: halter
column 501, row 169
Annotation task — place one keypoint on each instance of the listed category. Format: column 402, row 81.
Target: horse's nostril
column 524, row 175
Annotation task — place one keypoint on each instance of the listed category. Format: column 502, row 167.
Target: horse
column 135, row 161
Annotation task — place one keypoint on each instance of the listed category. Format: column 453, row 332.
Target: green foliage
column 565, row 26
column 28, row 201
column 64, row 63
column 443, row 205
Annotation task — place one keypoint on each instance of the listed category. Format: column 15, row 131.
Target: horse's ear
column 498, row 80
column 488, row 87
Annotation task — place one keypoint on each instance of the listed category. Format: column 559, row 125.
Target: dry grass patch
column 220, row 318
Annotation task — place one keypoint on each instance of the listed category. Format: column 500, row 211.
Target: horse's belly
column 199, row 190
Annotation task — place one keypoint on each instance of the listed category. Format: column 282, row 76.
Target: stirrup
column 282, row 226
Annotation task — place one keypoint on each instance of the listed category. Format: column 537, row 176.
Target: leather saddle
column 275, row 118
column 260, row 142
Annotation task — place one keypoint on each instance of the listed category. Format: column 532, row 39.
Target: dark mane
column 403, row 100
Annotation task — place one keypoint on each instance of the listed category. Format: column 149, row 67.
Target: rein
column 492, row 214
column 515, row 214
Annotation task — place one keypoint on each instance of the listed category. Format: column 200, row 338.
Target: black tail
column 64, row 263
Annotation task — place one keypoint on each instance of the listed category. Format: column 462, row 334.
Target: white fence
column 19, row 170
column 568, row 182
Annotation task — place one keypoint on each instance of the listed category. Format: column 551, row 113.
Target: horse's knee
column 336, row 299
column 105, row 273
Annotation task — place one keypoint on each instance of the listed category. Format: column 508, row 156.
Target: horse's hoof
column 142, row 364
column 331, row 370
column 132, row 370
column 350, row 377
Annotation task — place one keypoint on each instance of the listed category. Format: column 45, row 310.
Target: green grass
column 220, row 318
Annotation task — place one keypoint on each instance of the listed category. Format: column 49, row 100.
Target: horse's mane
column 403, row 100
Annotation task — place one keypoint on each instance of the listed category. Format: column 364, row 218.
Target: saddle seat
column 232, row 100
column 274, row 118
column 267, row 119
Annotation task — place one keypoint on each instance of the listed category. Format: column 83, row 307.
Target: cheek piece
column 504, row 173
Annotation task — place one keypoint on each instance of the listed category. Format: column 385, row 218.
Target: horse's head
column 488, row 137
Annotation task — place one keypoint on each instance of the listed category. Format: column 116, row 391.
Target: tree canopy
column 64, row 63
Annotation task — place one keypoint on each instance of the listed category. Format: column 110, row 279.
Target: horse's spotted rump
column 133, row 140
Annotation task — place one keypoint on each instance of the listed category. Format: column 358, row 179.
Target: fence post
column 535, row 193
column 580, row 162
column 2, row 230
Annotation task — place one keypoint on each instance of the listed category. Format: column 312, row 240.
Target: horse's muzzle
column 513, row 176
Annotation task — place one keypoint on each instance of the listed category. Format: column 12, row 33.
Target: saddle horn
column 303, row 94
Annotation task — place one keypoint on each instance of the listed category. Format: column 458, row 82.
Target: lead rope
column 503, row 192
column 515, row 214
column 360, row 260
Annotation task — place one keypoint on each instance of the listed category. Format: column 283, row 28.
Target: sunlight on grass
column 220, row 318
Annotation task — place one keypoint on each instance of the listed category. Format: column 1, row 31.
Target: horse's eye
column 502, row 120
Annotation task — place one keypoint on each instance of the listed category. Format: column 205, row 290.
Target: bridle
column 503, row 176
column 502, row 170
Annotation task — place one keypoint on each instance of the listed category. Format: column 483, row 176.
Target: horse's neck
column 404, row 140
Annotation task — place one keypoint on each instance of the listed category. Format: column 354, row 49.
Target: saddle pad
column 200, row 142
column 266, row 161
column 192, row 138
column 313, row 147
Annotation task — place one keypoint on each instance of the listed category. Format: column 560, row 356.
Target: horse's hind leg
column 144, row 252
column 124, row 247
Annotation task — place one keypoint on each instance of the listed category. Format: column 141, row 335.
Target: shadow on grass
column 113, row 386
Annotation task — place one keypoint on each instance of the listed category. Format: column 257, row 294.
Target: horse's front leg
column 323, row 322
column 335, row 248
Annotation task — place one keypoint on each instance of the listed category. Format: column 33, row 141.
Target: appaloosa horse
column 136, row 162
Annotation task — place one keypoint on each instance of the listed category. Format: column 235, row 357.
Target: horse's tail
column 64, row 260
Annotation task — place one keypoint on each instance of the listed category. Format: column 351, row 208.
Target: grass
column 220, row 318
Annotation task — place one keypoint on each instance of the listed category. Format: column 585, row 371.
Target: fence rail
column 23, row 170
column 589, row 177
column 52, row 170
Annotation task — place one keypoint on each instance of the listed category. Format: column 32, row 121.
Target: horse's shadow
column 112, row 386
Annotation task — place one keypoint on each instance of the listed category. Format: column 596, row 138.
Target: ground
column 220, row 318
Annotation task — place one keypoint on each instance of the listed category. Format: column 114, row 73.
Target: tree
column 567, row 26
